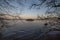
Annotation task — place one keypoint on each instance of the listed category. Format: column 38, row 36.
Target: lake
column 24, row 30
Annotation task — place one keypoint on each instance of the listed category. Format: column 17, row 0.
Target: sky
column 21, row 7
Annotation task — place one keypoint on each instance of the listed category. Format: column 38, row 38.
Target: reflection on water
column 23, row 26
column 21, row 30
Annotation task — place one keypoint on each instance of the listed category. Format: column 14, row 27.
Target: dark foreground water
column 26, row 30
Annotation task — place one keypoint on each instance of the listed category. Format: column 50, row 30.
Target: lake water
column 24, row 30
